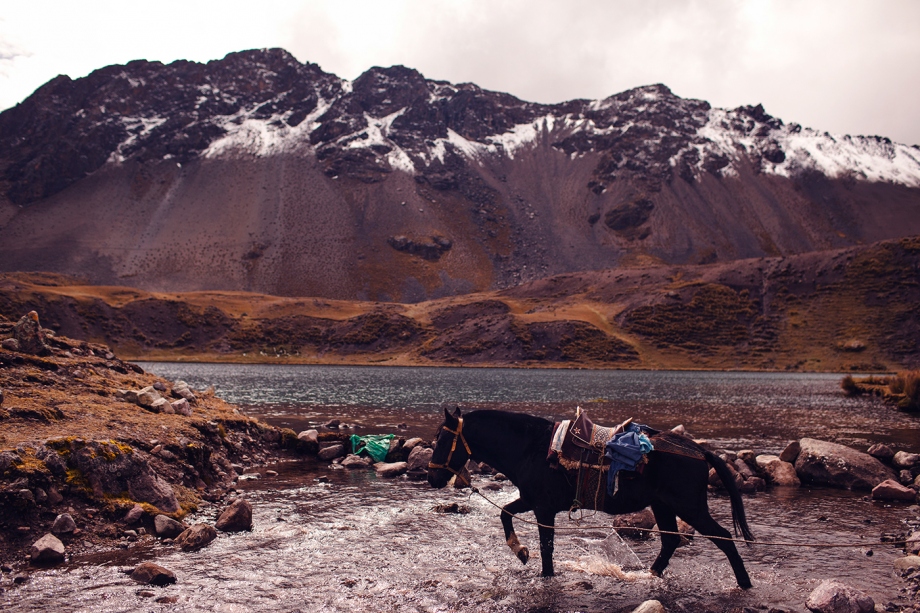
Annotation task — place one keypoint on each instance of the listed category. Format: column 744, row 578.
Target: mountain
column 259, row 173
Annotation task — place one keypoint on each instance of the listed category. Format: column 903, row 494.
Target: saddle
column 582, row 442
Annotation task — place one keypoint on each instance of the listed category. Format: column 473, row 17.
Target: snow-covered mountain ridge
column 266, row 102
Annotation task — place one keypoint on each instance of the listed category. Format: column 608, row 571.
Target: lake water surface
column 329, row 539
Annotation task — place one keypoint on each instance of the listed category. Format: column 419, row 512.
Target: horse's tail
column 728, row 480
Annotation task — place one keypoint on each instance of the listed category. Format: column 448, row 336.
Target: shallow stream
column 330, row 539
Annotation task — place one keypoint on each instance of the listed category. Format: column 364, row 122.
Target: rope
column 475, row 490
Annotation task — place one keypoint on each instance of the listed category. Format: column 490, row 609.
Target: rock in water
column 777, row 471
column 650, row 606
column 836, row 597
column 332, row 452
column 47, row 550
column 391, row 470
column 236, row 518
column 824, row 463
column 196, row 537
column 167, row 527
column 892, row 490
column 153, row 574
column 63, row 524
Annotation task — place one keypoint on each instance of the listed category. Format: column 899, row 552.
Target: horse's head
column 451, row 451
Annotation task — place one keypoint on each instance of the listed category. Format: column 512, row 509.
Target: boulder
column 881, row 451
column 902, row 459
column 134, row 515
column 824, row 463
column 160, row 405
column 391, row 469
column 777, row 472
column 836, row 597
column 63, row 524
column 309, row 437
column 743, row 469
column 791, row 452
column 636, row 525
column 147, row 396
column 196, row 537
column 236, row 518
column 356, row 461
column 412, row 443
column 28, row 333
column 419, row 458
column 892, row 490
column 10, row 344
column 332, row 452
column 149, row 573
column 47, row 550
column 181, row 407
column 167, row 527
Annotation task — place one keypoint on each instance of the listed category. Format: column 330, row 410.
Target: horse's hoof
column 654, row 573
column 745, row 585
column 523, row 555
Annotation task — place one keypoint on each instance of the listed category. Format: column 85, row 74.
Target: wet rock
column 905, row 477
column 743, row 469
column 791, row 452
column 902, row 459
column 332, row 452
column 650, row 606
column 635, row 525
column 412, row 443
column 167, row 527
column 391, row 470
column 236, row 518
column 149, row 573
column 29, row 334
column 311, row 437
column 881, row 451
column 196, row 537
column 777, row 471
column 453, row 507
column 836, row 597
column 419, row 458
column 356, row 461
column 47, row 550
column 824, row 463
column 333, row 424
column 63, row 524
column 892, row 490
column 134, row 515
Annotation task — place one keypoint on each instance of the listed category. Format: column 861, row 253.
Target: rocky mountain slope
column 259, row 173
column 849, row 309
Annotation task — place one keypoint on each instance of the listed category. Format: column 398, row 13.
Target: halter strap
column 458, row 435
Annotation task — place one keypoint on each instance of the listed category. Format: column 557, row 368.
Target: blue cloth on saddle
column 625, row 451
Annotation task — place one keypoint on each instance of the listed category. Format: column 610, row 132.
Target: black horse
column 516, row 445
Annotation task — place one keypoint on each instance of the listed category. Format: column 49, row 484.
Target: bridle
column 458, row 435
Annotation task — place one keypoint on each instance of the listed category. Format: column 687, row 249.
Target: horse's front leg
column 508, row 511
column 546, row 528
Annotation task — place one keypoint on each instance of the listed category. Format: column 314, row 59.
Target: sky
column 842, row 66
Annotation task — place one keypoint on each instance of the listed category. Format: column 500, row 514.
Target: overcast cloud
column 836, row 65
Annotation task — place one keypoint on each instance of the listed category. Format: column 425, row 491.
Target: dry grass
column 905, row 389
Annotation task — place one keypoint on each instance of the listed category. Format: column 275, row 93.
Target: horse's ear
column 457, row 411
column 446, row 414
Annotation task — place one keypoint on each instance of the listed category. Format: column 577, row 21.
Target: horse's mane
column 518, row 421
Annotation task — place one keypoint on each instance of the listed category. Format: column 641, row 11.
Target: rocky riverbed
column 97, row 455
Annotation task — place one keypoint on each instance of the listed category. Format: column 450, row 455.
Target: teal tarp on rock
column 376, row 445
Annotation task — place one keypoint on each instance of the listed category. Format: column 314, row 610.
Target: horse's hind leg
column 508, row 511
column 547, row 530
column 707, row 526
column 667, row 522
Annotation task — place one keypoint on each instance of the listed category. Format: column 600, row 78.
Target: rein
column 458, row 435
